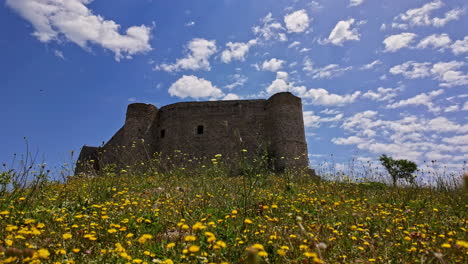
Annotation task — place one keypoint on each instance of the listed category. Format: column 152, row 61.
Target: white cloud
column 343, row 32
column 311, row 120
column 327, row 72
column 445, row 72
column 412, row 69
column 297, row 21
column 236, row 51
column 199, row 52
column 435, row 41
column 371, row 65
column 382, row 94
column 352, row 140
column 465, row 106
column 294, row 44
column 231, row 96
column 421, row 16
column 312, row 96
column 239, row 80
column 59, row 54
column 460, row 46
column 194, row 87
column 73, row 20
column 321, row 96
column 190, row 24
column 457, row 140
column 420, row 99
column 399, row 41
column 410, row 137
column 452, row 108
column 272, row 65
column 355, row 2
column 270, row 29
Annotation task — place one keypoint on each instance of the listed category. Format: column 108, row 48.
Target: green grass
column 207, row 216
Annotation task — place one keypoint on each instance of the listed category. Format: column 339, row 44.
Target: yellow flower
column 281, row 252
column 168, row 261
column 446, row 245
column 193, row 248
column 67, row 236
column 112, row 230
column 462, row 243
column 43, row 253
column 170, row 245
column 248, row 221
column 263, row 254
column 258, row 246
column 198, row 226
column 76, row 250
column 4, row 212
column 309, row 254
column 190, row 238
column 144, row 237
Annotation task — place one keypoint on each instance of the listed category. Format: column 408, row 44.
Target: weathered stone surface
column 204, row 129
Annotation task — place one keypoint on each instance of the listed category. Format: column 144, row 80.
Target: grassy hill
column 208, row 216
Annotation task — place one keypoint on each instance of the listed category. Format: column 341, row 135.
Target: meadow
column 209, row 214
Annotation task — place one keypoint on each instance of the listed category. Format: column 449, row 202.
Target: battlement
column 204, row 129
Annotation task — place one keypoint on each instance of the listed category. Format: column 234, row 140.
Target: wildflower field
column 206, row 216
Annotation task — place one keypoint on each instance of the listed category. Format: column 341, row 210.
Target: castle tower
column 285, row 129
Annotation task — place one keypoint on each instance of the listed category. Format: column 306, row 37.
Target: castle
column 204, row 129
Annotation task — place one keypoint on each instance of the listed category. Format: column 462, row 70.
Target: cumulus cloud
column 460, row 46
column 322, row 97
column 314, row 121
column 445, row 72
column 270, row 29
column 199, row 52
column 382, row 94
column 410, row 137
column 399, row 41
column 412, row 69
column 231, row 96
column 194, row 87
column 422, row 16
column 371, row 65
column 272, row 65
column 75, row 22
column 311, row 96
column 237, row 51
column 311, row 120
column 297, row 21
column 424, row 99
column 343, row 32
column 435, row 41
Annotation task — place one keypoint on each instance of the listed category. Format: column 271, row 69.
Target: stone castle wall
column 204, row 129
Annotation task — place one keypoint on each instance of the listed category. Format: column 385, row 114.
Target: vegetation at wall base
column 208, row 215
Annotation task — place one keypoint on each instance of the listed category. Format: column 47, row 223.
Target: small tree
column 399, row 169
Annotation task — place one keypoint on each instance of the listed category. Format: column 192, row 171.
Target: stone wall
column 204, row 129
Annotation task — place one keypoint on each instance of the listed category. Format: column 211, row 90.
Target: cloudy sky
column 376, row 77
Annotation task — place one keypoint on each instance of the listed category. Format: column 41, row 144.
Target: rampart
column 204, row 129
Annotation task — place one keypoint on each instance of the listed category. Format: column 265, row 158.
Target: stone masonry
column 204, row 129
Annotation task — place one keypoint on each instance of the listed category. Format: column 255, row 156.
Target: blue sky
column 376, row 77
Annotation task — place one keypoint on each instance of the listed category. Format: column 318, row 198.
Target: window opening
column 200, row 130
column 163, row 133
